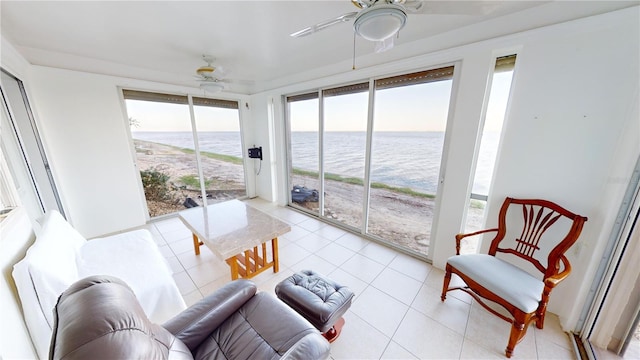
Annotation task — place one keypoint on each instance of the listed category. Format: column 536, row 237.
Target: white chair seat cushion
column 509, row 282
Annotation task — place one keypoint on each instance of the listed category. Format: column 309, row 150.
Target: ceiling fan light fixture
column 205, row 70
column 212, row 87
column 380, row 22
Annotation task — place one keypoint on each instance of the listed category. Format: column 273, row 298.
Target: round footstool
column 318, row 299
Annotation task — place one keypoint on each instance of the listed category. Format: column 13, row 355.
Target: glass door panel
column 407, row 140
column 304, row 166
column 164, row 148
column 345, row 135
column 221, row 154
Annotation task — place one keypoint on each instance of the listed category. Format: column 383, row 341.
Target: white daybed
column 60, row 256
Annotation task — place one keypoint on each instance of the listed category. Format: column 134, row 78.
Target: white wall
column 573, row 99
column 82, row 120
column 260, row 132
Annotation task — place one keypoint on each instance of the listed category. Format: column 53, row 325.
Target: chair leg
column 542, row 309
column 445, row 285
column 517, row 332
column 540, row 318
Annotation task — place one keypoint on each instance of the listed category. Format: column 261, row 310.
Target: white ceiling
column 164, row 41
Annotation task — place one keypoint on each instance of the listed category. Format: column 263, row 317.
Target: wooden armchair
column 530, row 232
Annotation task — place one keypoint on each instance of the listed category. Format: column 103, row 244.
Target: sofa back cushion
column 48, row 268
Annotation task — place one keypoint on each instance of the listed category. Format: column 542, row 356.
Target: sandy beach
column 400, row 218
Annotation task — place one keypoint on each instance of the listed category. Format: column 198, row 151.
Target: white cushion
column 509, row 282
column 135, row 258
column 48, row 268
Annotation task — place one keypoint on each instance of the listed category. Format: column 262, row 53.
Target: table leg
column 247, row 264
column 234, row 268
column 274, row 250
column 196, row 244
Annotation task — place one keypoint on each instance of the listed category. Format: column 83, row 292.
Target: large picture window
column 185, row 159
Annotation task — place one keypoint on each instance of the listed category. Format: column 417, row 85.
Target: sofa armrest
column 195, row 323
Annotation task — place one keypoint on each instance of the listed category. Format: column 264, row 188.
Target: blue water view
column 403, row 159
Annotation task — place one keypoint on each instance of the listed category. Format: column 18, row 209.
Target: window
column 9, row 198
column 488, row 150
column 371, row 166
column 24, row 158
column 183, row 159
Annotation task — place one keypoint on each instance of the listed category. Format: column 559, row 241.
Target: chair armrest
column 195, row 323
column 462, row 236
column 552, row 281
column 312, row 346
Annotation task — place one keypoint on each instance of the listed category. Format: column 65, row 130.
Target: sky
column 155, row 116
column 422, row 107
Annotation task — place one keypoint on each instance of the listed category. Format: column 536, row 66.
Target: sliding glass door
column 304, row 161
column 344, row 146
column 221, row 150
column 166, row 138
column 410, row 118
column 379, row 150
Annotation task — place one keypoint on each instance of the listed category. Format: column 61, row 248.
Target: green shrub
column 477, row 204
column 155, row 184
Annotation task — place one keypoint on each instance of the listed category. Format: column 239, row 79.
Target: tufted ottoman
column 318, row 299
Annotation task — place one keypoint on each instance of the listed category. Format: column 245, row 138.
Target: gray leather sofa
column 99, row 317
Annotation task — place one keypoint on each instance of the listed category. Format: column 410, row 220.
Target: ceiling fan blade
column 325, row 24
column 457, row 7
column 221, row 72
column 414, row 6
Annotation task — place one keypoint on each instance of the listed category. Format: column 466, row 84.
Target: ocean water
column 403, row 159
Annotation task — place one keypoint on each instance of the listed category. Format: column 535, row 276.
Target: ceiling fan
column 381, row 20
column 210, row 77
column 377, row 20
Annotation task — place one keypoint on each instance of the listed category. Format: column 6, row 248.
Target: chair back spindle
column 538, row 216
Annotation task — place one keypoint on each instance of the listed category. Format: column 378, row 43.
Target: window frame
column 191, row 101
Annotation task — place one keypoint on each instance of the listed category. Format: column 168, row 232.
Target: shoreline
column 398, row 215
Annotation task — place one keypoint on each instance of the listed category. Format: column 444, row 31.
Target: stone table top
column 231, row 227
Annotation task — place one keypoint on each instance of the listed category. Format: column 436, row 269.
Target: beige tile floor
column 396, row 313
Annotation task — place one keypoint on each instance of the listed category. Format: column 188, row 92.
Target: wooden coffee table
column 237, row 233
